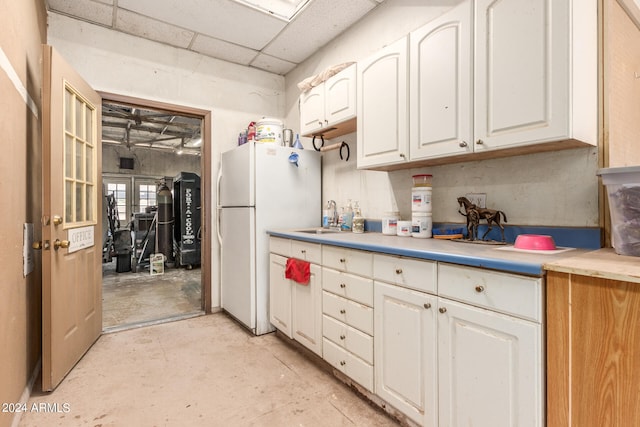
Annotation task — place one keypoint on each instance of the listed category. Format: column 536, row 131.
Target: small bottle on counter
column 347, row 217
column 358, row 219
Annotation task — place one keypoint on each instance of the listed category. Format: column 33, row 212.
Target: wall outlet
column 478, row 199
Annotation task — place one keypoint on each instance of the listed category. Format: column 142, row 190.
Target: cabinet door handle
column 442, row 309
column 303, row 251
column 342, row 285
column 479, row 142
column 403, row 155
column 427, row 305
column 319, row 123
column 342, row 337
column 463, row 144
column 398, row 271
column 479, row 288
column 343, row 311
column 342, row 363
column 342, row 260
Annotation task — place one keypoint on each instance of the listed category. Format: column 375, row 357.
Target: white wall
column 555, row 189
column 118, row 63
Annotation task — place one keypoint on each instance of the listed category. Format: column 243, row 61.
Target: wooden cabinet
column 294, row 308
column 441, row 89
column 382, row 99
column 593, row 344
column 486, row 79
column 329, row 109
column 406, row 351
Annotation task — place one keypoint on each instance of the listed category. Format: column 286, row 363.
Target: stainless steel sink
column 318, row 231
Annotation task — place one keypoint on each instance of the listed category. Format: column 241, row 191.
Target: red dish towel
column 298, row 270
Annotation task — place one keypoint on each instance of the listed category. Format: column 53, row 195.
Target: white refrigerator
column 261, row 189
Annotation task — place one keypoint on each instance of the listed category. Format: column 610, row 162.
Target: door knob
column 40, row 245
column 61, row 244
column 57, row 220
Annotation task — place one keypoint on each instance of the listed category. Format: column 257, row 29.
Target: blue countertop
column 495, row 257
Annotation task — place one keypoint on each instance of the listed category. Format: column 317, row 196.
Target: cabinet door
column 521, row 72
column 383, row 122
column 279, row 295
column 441, row 89
column 306, row 302
column 405, row 351
column 312, row 110
column 340, row 96
column 490, row 368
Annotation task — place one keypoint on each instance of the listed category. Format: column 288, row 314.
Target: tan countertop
column 604, row 263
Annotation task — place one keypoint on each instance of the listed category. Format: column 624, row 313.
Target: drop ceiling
column 272, row 35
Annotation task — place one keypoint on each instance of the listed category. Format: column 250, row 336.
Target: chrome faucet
column 333, row 220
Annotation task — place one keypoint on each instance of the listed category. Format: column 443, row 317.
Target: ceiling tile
column 85, row 9
column 142, row 26
column 215, row 18
column 272, row 65
column 223, row 50
column 317, row 25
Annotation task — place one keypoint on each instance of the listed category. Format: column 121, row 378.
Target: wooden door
column 279, row 295
column 312, row 110
column 306, row 309
column 71, row 223
column 340, row 96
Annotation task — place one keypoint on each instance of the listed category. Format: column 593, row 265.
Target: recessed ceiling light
column 284, row 9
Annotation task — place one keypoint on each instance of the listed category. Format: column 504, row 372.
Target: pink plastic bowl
column 538, row 242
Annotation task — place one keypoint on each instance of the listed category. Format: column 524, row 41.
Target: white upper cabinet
column 522, row 67
column 383, row 124
column 326, row 106
column 441, row 116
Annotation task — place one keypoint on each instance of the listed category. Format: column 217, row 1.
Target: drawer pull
column 342, row 260
column 427, row 305
column 342, row 285
column 343, row 311
column 398, row 271
column 342, row 337
column 442, row 309
column 342, row 363
column 479, row 288
column 304, row 251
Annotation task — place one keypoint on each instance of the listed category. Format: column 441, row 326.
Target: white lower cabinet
column 490, row 368
column 294, row 308
column 406, row 351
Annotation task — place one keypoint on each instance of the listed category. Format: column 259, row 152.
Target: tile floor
column 203, row 371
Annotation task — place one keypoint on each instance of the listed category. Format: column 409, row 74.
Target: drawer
column 352, row 313
column 349, row 364
column 348, row 338
column 349, row 286
column 280, row 246
column 507, row 293
column 406, row 272
column 311, row 252
column 348, row 260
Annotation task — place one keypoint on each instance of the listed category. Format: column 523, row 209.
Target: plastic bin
column 623, row 190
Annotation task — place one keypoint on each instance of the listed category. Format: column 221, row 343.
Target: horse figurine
column 474, row 214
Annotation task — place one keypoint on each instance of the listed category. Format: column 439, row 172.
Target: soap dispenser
column 358, row 219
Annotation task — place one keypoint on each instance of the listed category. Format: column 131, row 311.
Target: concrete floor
column 134, row 298
column 203, row 371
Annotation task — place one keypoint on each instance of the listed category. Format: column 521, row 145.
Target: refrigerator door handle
column 218, row 207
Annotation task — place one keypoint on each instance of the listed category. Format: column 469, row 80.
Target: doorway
column 155, row 227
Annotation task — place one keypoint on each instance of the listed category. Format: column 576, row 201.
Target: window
column 79, row 159
column 147, row 195
column 119, row 190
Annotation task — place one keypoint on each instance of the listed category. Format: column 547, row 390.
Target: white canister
column 269, row 130
column 404, row 228
column 390, row 223
column 421, row 199
column 421, row 225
